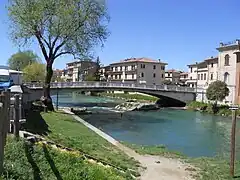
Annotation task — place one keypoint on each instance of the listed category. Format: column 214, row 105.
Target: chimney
column 159, row 60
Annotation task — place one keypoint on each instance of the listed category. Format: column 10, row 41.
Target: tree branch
column 66, row 38
column 42, row 47
column 62, row 53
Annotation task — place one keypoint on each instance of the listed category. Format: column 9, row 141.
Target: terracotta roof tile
column 172, row 70
column 143, row 59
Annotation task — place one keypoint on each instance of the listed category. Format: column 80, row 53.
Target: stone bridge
column 177, row 95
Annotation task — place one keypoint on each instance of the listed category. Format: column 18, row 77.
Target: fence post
column 1, row 132
column 16, row 118
column 4, row 121
column 7, row 113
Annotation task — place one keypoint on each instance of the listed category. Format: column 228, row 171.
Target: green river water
column 191, row 133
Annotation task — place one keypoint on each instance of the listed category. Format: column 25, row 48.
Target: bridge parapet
column 62, row 85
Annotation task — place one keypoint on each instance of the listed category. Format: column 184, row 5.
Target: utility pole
column 233, row 139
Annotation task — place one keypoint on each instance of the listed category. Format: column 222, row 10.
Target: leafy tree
column 34, row 72
column 98, row 66
column 21, row 59
column 168, row 82
column 59, row 27
column 90, row 78
column 217, row 91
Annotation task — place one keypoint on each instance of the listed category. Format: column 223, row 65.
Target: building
column 183, row 78
column 225, row 67
column 192, row 75
column 201, row 74
column 104, row 73
column 80, row 70
column 138, row 70
column 228, row 69
column 173, row 76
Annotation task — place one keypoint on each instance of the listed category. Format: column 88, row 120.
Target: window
column 211, row 64
column 226, row 77
column 115, row 76
column 132, row 76
column 154, row 75
column 115, row 68
column 168, row 74
column 211, row 77
column 154, row 66
column 198, row 76
column 162, row 67
column 205, row 76
column 201, row 76
column 226, row 60
column 126, row 68
column 120, row 68
column 143, row 65
column 120, row 77
column 191, row 69
column 133, row 67
column 142, row 74
column 162, row 75
column 190, row 77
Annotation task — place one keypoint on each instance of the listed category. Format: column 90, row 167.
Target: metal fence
column 161, row 87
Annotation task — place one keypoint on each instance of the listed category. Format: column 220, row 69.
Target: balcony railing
column 112, row 85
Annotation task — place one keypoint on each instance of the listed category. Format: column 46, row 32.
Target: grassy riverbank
column 24, row 161
column 222, row 110
column 128, row 96
column 215, row 168
column 27, row 161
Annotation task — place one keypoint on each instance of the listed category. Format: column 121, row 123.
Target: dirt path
column 159, row 168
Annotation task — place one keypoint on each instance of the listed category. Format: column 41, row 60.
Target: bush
column 197, row 105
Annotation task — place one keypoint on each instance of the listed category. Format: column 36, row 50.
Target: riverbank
column 221, row 110
column 32, row 161
column 156, row 166
column 203, row 168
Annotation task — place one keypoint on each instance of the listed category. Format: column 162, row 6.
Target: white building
column 78, row 70
column 172, row 75
column 138, row 70
column 225, row 67
column 183, row 77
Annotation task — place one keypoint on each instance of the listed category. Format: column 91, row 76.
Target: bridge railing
column 112, row 84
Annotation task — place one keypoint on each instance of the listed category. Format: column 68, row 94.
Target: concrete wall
column 149, row 72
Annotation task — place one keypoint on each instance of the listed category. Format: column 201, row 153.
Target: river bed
column 191, row 133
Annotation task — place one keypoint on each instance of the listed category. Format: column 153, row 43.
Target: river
column 191, row 133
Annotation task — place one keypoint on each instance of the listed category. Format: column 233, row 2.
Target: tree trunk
column 47, row 96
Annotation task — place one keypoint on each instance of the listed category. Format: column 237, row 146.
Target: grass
column 127, row 96
column 154, row 150
column 27, row 161
column 222, row 110
column 63, row 129
column 215, row 168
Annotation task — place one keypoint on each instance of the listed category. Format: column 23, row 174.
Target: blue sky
column 178, row 32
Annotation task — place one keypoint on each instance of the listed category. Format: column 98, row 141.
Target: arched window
column 226, row 60
column 226, row 77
